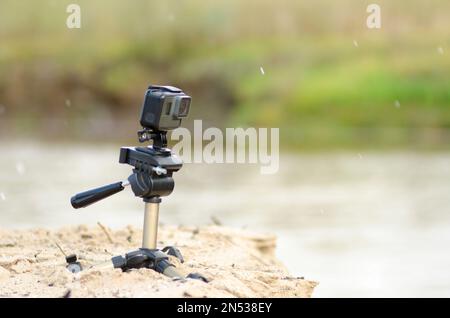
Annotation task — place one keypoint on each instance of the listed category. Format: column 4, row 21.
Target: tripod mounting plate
column 150, row 157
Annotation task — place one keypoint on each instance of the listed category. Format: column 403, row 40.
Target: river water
column 362, row 224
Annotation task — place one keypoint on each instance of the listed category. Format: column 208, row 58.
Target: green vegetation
column 329, row 81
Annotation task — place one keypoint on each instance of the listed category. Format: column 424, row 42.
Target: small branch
column 105, row 230
column 59, row 247
column 216, row 220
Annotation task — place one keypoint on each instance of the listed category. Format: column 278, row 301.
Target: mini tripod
column 153, row 167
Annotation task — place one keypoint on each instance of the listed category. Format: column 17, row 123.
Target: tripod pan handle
column 84, row 199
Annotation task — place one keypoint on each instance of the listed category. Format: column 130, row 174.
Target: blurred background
column 361, row 202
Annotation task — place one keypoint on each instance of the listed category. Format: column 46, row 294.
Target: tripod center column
column 151, row 216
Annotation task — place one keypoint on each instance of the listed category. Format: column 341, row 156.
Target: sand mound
column 237, row 263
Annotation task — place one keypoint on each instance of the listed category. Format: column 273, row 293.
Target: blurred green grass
column 328, row 80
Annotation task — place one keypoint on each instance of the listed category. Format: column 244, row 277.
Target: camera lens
column 183, row 109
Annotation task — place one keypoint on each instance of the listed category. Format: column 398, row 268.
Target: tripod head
column 153, row 167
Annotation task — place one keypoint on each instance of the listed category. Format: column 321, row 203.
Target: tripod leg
column 151, row 216
column 170, row 271
column 172, row 250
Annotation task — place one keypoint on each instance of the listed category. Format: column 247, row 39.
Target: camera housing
column 164, row 107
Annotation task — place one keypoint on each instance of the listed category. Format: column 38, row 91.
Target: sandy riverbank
column 237, row 263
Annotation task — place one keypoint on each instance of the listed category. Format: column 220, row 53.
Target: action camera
column 164, row 107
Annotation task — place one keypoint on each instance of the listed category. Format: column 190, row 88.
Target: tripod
column 153, row 167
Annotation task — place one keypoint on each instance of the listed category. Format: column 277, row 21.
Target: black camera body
column 164, row 107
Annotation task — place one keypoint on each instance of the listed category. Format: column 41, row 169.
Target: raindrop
column 360, row 156
column 68, row 103
column 20, row 168
column 397, row 104
column 262, row 70
column 355, row 43
column 440, row 50
column 2, row 196
column 2, row 109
